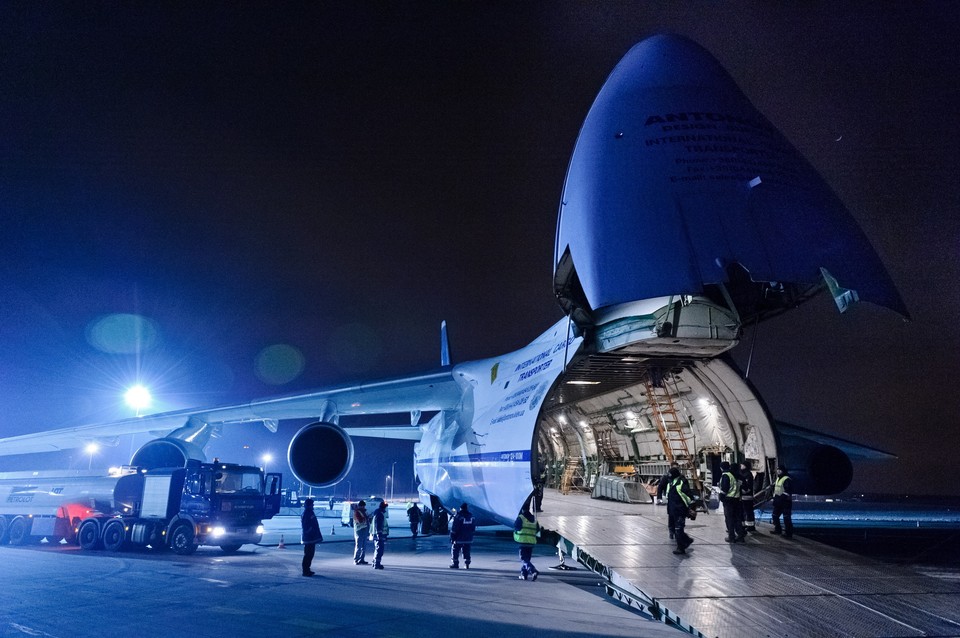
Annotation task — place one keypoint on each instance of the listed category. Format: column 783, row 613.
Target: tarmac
column 61, row 591
column 625, row 582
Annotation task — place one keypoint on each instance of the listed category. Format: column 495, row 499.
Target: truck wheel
column 3, row 530
column 88, row 536
column 183, row 539
column 229, row 549
column 114, row 536
column 18, row 531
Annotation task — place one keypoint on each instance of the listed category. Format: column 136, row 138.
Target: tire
column 114, row 536
column 230, row 549
column 3, row 530
column 183, row 539
column 18, row 531
column 88, row 536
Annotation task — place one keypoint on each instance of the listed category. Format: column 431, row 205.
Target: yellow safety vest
column 778, row 486
column 528, row 532
column 734, row 491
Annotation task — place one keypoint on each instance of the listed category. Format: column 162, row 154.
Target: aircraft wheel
column 114, row 536
column 3, row 530
column 88, row 536
column 183, row 540
column 229, row 549
column 18, row 531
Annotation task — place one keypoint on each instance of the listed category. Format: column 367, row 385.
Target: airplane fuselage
column 684, row 216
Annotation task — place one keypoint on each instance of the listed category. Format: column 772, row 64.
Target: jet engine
column 320, row 454
column 816, row 468
column 166, row 452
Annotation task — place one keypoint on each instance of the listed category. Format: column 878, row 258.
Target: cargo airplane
column 685, row 215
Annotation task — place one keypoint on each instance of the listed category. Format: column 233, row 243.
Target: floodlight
column 138, row 398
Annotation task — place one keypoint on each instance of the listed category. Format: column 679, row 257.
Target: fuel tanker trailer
column 179, row 508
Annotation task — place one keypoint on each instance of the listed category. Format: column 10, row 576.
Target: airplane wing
column 852, row 449
column 426, row 392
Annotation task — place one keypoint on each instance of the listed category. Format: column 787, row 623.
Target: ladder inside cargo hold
column 570, row 473
column 672, row 430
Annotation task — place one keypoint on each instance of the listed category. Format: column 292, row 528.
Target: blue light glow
column 123, row 333
column 279, row 364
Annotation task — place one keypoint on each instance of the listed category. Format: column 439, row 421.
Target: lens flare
column 138, row 397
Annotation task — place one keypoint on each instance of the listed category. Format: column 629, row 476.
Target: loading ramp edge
column 622, row 589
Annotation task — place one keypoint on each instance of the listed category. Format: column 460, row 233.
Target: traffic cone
column 333, row 530
column 281, row 545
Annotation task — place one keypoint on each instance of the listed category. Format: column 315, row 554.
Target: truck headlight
column 218, row 531
column 259, row 529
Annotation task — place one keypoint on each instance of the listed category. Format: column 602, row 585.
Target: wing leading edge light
column 684, row 214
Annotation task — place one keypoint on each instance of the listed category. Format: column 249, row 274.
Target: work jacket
column 463, row 527
column 361, row 520
column 414, row 514
column 380, row 525
column 746, row 486
column 678, row 494
column 310, row 527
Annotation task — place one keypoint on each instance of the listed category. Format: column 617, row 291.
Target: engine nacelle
column 166, row 452
column 816, row 468
column 320, row 454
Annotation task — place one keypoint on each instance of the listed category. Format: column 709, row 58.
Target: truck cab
column 184, row 507
column 227, row 503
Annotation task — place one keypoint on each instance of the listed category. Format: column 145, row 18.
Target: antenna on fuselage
column 444, row 345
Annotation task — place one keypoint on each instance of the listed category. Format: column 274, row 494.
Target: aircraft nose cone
column 675, row 176
column 668, row 60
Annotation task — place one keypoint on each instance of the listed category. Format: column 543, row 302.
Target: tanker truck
column 179, row 508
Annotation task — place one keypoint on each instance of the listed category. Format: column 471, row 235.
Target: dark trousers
column 783, row 506
column 732, row 513
column 379, row 542
column 360, row 544
column 455, row 550
column 415, row 527
column 749, row 521
column 526, row 555
column 679, row 518
column 309, row 550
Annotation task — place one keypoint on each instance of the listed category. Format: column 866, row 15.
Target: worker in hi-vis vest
column 783, row 503
column 679, row 500
column 525, row 530
column 732, row 508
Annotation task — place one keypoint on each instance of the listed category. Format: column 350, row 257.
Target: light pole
column 393, row 469
column 386, row 480
column 349, row 489
column 91, row 449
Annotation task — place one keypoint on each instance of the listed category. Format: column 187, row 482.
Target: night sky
column 295, row 195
